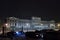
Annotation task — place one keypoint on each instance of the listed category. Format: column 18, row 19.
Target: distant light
column 51, row 24
column 17, row 33
column 58, row 25
column 27, row 24
column 41, row 35
column 6, row 24
column 41, row 24
column 20, row 34
column 37, row 35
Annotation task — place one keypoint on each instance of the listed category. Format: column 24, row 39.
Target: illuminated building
column 58, row 25
column 29, row 25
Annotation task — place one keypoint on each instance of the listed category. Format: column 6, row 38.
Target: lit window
column 6, row 24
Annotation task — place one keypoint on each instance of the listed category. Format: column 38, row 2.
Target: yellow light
column 58, row 25
column 6, row 25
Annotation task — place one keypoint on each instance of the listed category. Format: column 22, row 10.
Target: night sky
column 46, row 9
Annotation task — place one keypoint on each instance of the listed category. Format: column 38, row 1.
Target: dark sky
column 46, row 9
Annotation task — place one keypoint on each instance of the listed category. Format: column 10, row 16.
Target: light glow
column 41, row 24
column 6, row 24
column 17, row 32
column 27, row 24
column 58, row 25
column 37, row 35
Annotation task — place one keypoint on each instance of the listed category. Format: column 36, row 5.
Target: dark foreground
column 26, row 39
column 47, row 37
column 44, row 35
column 19, row 39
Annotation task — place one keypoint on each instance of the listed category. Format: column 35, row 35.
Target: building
column 35, row 23
column 58, row 25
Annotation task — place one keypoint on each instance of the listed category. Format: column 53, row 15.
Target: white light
column 37, row 35
column 41, row 24
column 51, row 24
column 6, row 24
column 17, row 32
column 27, row 24
column 41, row 35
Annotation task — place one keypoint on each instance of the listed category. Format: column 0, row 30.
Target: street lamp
column 4, row 28
column 6, row 24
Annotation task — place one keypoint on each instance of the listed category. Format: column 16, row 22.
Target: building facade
column 35, row 23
